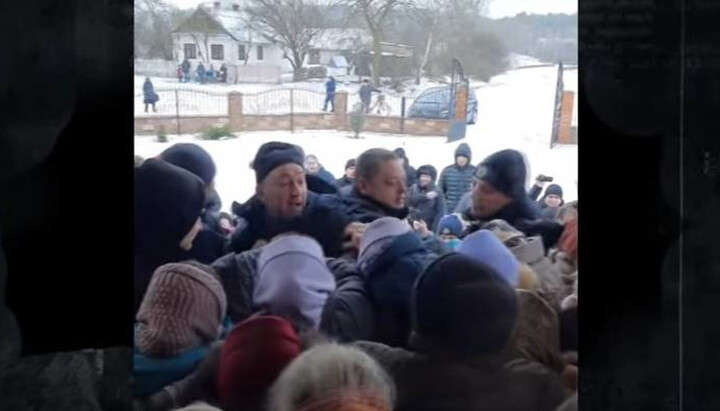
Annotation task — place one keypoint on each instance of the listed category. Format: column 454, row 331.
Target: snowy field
column 515, row 111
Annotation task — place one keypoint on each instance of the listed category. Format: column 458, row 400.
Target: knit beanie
column 350, row 163
column 275, row 154
column 481, row 305
column 450, row 224
column 168, row 202
column 554, row 189
column 505, row 171
column 183, row 308
column 377, row 237
column 254, row 354
column 484, row 247
column 192, row 158
column 400, row 153
column 293, row 280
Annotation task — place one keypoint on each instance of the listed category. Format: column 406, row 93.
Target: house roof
column 341, row 39
column 214, row 21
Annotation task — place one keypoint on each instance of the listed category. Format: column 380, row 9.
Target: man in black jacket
column 426, row 201
column 282, row 203
column 379, row 189
column 456, row 179
column 349, row 177
column 499, row 194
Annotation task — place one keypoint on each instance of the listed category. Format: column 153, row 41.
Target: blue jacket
column 366, row 91
column 390, row 280
column 330, row 87
column 153, row 374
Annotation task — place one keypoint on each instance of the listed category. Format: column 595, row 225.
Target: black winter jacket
column 427, row 382
column 360, row 208
column 422, row 207
column 320, row 220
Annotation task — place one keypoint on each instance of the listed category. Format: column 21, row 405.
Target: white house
column 217, row 33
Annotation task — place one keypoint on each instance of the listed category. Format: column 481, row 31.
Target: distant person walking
column 330, row 94
column 186, row 70
column 223, row 73
column 365, row 92
column 201, row 73
column 180, row 74
column 149, row 95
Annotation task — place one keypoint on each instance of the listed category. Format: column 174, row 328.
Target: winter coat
column 360, row 208
column 325, row 175
column 551, row 286
column 319, row 185
column 366, row 91
column 208, row 246
column 455, row 180
column 201, row 70
column 330, row 88
column 422, row 207
column 344, row 181
column 427, row 382
column 349, row 314
column 390, row 279
column 186, row 66
column 149, row 95
column 237, row 273
column 524, row 215
column 319, row 220
column 153, row 374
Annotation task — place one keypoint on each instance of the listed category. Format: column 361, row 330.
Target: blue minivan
column 434, row 103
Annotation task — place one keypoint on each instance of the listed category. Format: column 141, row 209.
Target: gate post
column 235, row 112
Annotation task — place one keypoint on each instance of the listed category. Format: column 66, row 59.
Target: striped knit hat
column 183, row 309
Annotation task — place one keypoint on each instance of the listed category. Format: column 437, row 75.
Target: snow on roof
column 339, row 62
column 234, row 22
column 341, row 39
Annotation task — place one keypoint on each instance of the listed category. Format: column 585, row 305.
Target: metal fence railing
column 283, row 101
column 385, row 105
column 183, row 102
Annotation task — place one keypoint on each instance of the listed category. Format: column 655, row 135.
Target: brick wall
column 321, row 121
column 196, row 124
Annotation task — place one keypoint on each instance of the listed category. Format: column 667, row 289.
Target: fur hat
column 275, row 154
column 505, row 171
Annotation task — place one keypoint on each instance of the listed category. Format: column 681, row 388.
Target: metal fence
column 281, row 101
column 180, row 102
column 384, row 105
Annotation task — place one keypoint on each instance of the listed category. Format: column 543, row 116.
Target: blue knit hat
column 450, row 224
column 484, row 246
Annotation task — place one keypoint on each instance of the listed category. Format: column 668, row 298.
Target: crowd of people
column 202, row 75
column 386, row 289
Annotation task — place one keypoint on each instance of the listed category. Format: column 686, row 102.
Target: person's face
column 486, row 200
column 424, row 180
column 350, row 172
column 388, row 185
column 552, row 200
column 461, row 161
column 187, row 242
column 312, row 165
column 283, row 192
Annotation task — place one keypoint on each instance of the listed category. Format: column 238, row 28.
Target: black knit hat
column 192, row 158
column 463, row 150
column 168, row 202
column 554, row 189
column 400, row 152
column 505, row 171
column 428, row 170
column 275, row 154
column 351, row 163
column 462, row 306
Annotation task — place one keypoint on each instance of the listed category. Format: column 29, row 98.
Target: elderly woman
column 333, row 377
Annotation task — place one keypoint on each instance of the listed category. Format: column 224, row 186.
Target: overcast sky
column 497, row 8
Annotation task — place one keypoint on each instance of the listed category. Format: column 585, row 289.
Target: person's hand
column 353, row 235
column 431, row 195
column 421, row 228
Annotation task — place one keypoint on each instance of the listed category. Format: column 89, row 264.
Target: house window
column 236, row 7
column 241, row 52
column 216, row 52
column 259, row 52
column 314, row 56
column 190, row 51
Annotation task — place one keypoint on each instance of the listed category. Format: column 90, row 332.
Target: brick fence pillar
column 235, row 111
column 341, row 101
column 566, row 111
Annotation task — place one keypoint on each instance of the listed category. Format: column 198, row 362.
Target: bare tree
column 376, row 15
column 291, row 24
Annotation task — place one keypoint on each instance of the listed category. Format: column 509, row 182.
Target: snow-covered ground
column 515, row 111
